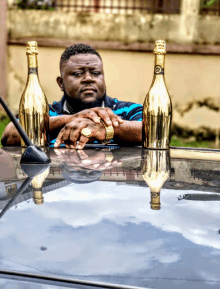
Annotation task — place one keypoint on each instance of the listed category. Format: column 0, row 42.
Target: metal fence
column 122, row 6
column 105, row 6
column 112, row 6
column 213, row 10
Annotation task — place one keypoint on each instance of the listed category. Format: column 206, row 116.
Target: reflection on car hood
column 105, row 230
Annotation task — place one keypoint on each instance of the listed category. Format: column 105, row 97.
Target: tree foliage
column 208, row 3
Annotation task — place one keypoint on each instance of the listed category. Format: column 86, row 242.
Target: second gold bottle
column 157, row 108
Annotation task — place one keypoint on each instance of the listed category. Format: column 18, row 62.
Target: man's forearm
column 129, row 133
column 11, row 136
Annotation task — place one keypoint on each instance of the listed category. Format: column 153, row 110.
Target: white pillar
column 3, row 48
column 188, row 20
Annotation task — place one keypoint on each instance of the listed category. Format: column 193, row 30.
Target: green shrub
column 4, row 120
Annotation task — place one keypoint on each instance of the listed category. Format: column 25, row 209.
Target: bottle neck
column 38, row 197
column 155, row 201
column 32, row 64
column 159, row 64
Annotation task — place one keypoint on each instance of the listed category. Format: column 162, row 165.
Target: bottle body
column 157, row 110
column 33, row 108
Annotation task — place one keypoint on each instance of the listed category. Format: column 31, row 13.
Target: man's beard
column 75, row 104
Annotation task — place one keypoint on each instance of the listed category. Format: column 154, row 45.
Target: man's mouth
column 88, row 90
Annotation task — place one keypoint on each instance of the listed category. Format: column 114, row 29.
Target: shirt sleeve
column 136, row 113
column 128, row 110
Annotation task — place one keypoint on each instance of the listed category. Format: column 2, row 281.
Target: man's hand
column 71, row 133
column 93, row 160
column 97, row 113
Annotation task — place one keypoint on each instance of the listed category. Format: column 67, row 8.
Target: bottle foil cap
column 38, row 197
column 155, row 207
column 32, row 48
column 160, row 47
column 155, row 201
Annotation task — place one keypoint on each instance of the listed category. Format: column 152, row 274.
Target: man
column 85, row 113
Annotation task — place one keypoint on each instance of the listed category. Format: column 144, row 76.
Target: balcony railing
column 212, row 10
column 104, row 6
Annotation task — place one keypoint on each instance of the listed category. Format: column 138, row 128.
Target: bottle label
column 32, row 70
column 158, row 70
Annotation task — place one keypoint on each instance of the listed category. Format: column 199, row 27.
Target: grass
column 175, row 141
column 181, row 142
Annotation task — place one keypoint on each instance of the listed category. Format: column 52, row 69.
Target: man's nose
column 88, row 77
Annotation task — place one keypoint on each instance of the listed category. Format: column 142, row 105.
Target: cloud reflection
column 111, row 230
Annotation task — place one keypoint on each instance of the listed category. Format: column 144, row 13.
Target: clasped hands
column 89, row 159
column 71, row 134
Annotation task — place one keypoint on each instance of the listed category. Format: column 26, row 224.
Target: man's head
column 82, row 77
column 80, row 175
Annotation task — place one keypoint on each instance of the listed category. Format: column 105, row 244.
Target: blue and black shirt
column 126, row 110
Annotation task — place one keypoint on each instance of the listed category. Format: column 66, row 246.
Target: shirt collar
column 66, row 110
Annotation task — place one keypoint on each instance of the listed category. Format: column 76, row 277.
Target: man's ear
column 60, row 82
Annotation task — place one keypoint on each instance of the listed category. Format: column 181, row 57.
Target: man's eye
column 96, row 73
column 77, row 74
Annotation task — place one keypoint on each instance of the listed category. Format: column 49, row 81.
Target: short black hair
column 79, row 48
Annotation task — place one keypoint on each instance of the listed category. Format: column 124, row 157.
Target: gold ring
column 86, row 162
column 86, row 132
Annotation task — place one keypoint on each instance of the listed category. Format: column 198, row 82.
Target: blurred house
column 124, row 31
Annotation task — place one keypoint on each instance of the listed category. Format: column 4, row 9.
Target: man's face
column 82, row 78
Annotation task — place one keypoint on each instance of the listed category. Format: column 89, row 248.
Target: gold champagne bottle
column 157, row 108
column 33, row 108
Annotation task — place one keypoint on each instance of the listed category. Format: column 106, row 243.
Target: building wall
column 192, row 79
column 138, row 27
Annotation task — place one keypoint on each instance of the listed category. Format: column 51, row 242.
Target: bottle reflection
column 155, row 168
column 37, row 184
